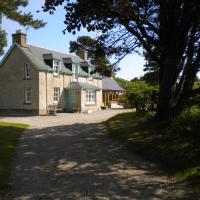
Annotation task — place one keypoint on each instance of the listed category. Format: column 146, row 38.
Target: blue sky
column 51, row 36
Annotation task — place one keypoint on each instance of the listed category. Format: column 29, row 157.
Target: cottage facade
column 33, row 78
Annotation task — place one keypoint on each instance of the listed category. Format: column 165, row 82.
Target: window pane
column 27, row 70
column 56, row 66
column 75, row 70
column 56, row 95
column 90, row 96
column 28, row 95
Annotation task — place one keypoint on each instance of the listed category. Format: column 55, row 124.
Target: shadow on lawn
column 81, row 161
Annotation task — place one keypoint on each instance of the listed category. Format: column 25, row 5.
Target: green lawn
column 176, row 152
column 9, row 138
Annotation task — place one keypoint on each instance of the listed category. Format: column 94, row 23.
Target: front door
column 73, row 102
column 69, row 100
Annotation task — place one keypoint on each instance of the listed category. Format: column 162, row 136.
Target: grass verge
column 9, row 137
column 175, row 149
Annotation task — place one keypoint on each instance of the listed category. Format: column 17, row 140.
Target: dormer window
column 68, row 66
column 56, row 67
column 90, row 72
column 27, row 73
column 76, row 70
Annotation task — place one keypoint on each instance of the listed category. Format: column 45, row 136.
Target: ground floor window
column 28, row 95
column 90, row 96
column 56, row 94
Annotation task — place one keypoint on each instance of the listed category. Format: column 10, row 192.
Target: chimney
column 19, row 38
column 83, row 54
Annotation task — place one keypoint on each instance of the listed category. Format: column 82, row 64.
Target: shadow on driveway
column 81, row 161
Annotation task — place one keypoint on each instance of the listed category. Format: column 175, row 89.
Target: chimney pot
column 83, row 54
column 20, row 38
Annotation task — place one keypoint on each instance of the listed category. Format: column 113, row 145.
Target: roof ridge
column 51, row 50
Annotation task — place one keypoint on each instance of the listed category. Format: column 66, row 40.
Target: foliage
column 142, row 96
column 195, row 100
column 10, row 9
column 187, row 123
column 168, row 30
column 122, row 82
column 139, row 94
column 3, row 41
column 95, row 53
column 9, row 138
column 175, row 148
column 151, row 70
column 151, row 77
column 197, row 84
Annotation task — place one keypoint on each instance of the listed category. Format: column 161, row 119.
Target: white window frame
column 56, row 94
column 56, row 67
column 90, row 97
column 76, row 69
column 28, row 95
column 27, row 73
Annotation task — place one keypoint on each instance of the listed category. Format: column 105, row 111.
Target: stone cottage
column 33, row 78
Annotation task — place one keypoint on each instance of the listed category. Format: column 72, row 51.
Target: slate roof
column 80, row 85
column 39, row 52
column 111, row 84
column 36, row 56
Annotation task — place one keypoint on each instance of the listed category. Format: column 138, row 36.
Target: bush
column 188, row 122
column 141, row 95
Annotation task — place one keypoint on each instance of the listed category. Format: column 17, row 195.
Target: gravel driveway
column 63, row 118
column 71, row 156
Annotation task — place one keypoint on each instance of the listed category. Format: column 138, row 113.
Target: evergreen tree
column 96, row 54
column 172, row 27
column 151, row 70
column 10, row 9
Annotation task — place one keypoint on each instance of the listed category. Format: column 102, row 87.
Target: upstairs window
column 90, row 96
column 76, row 70
column 68, row 66
column 56, row 67
column 56, row 94
column 28, row 95
column 90, row 71
column 27, row 73
column 85, row 69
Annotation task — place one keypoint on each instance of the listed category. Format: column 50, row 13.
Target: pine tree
column 96, row 54
column 10, row 9
column 172, row 27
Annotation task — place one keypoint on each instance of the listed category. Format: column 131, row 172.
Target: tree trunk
column 187, row 89
column 167, row 82
column 172, row 44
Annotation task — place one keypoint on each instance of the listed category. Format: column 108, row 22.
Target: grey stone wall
column 13, row 83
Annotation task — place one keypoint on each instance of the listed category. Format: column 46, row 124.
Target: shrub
column 141, row 95
column 188, row 122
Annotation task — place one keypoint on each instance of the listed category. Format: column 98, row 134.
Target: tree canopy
column 151, row 70
column 168, row 30
column 11, row 10
column 96, row 54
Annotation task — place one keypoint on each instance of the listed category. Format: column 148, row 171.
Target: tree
column 151, row 70
column 10, row 9
column 139, row 94
column 95, row 53
column 3, row 41
column 142, row 96
column 122, row 82
column 168, row 30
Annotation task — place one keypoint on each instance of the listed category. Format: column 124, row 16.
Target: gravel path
column 63, row 118
column 72, row 157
